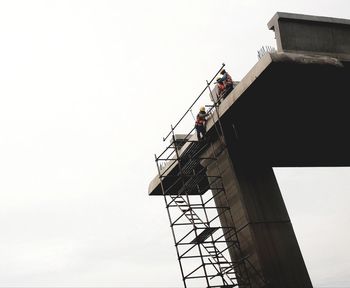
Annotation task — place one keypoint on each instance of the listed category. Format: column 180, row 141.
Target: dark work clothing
column 227, row 91
column 200, row 131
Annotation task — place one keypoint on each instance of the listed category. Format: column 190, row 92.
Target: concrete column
column 264, row 229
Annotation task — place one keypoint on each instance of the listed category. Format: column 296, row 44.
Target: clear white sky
column 87, row 91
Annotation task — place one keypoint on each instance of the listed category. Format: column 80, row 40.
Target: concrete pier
column 263, row 226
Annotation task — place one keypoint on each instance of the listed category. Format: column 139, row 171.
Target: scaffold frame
column 202, row 243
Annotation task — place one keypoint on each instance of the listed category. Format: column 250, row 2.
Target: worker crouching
column 200, row 124
column 225, row 84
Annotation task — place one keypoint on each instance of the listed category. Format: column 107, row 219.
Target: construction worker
column 221, row 87
column 228, row 83
column 200, row 123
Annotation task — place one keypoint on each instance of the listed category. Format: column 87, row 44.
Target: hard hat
column 202, row 109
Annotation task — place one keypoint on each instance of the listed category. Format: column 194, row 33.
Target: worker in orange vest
column 201, row 123
column 221, row 87
column 227, row 81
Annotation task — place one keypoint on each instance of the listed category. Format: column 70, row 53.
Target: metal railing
column 173, row 127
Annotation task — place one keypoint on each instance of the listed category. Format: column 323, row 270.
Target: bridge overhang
column 291, row 110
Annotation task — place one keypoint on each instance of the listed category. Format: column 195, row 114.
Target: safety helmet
column 202, row 109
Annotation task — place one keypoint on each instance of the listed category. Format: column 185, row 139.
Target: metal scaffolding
column 209, row 253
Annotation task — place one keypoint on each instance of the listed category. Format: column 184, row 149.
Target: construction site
column 228, row 219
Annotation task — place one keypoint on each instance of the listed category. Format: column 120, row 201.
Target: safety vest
column 221, row 86
column 201, row 118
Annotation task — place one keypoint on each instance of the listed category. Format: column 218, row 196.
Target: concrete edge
column 304, row 17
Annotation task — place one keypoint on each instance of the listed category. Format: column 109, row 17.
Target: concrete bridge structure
column 290, row 110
